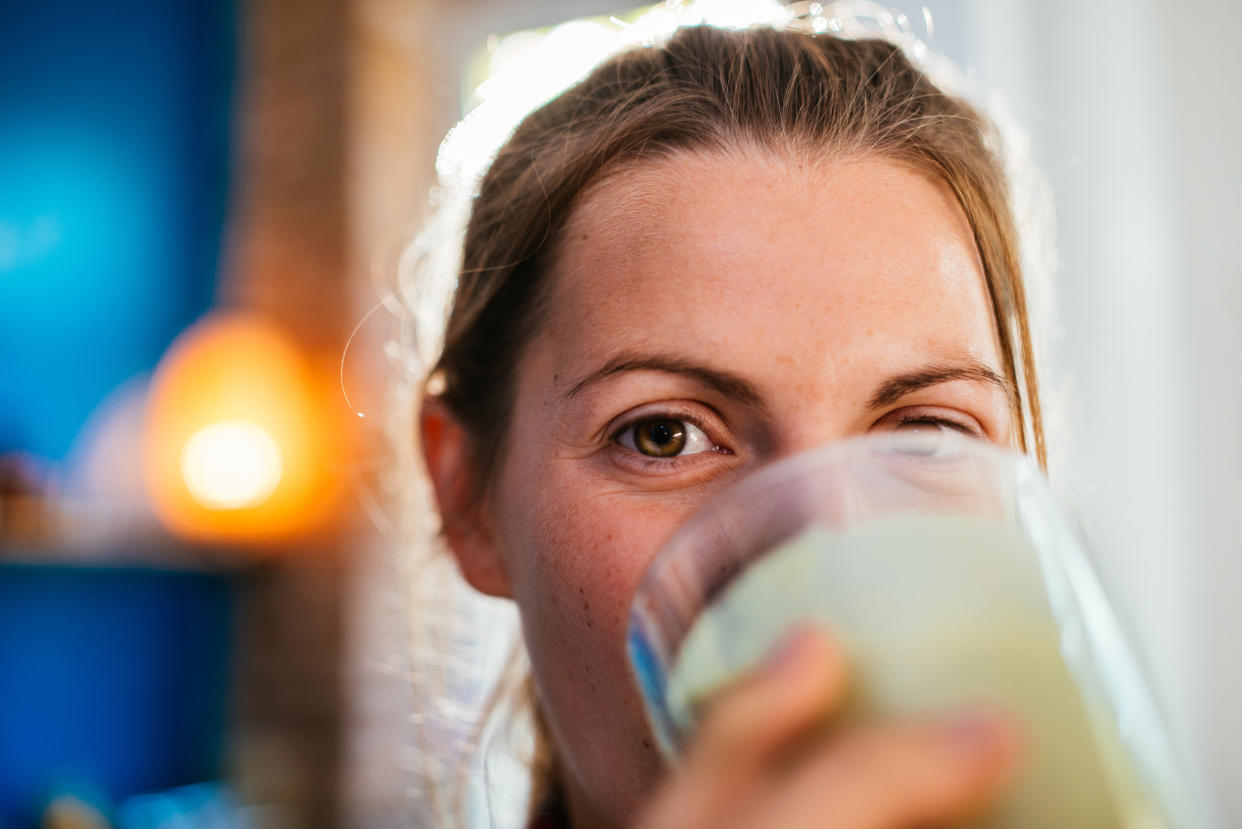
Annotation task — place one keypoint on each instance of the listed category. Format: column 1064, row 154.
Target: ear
column 465, row 524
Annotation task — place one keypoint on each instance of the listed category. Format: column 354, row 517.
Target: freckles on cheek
column 587, row 551
column 588, row 556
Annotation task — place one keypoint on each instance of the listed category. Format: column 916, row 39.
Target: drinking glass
column 952, row 577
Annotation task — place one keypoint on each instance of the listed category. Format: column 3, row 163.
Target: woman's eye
column 932, row 424
column 925, row 424
column 664, row 437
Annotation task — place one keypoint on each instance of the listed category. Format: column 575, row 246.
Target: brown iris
column 660, row 438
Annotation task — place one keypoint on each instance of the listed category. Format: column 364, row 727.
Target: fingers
column 800, row 684
column 797, row 688
column 893, row 776
column 762, row 758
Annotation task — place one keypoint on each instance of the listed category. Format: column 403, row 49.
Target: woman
column 711, row 253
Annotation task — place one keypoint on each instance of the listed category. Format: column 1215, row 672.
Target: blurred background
column 198, row 203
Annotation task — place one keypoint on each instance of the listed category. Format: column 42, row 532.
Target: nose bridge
column 810, row 439
column 814, row 387
column 816, row 420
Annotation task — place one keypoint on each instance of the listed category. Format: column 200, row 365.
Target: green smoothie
column 937, row 612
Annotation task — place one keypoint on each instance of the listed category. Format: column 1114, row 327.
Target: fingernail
column 975, row 731
column 787, row 651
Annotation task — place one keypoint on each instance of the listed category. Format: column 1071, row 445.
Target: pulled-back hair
column 818, row 96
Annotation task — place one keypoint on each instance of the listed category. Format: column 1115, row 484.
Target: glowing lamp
column 231, row 464
column 238, row 442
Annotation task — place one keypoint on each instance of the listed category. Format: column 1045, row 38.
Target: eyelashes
column 669, row 440
column 920, row 420
column 664, row 437
column 665, row 441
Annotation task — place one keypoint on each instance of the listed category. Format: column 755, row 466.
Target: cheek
column 576, row 552
column 581, row 556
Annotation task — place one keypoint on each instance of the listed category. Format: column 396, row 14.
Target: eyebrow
column 727, row 384
column 895, row 388
column 733, row 386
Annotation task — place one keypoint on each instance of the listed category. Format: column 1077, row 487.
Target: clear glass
column 952, row 577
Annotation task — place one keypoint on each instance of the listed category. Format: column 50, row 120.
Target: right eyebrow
column 727, row 384
column 898, row 387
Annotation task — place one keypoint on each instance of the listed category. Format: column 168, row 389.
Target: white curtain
column 1133, row 111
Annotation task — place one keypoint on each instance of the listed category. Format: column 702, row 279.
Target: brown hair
column 713, row 89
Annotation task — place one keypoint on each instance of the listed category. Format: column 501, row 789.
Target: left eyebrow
column 895, row 388
column 726, row 383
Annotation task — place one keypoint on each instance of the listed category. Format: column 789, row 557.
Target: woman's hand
column 763, row 758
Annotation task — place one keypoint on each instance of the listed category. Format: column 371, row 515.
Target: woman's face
column 708, row 314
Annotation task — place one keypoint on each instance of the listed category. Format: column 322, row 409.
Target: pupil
column 661, row 438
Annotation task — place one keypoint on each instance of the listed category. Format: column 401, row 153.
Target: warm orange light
column 231, row 464
column 238, row 446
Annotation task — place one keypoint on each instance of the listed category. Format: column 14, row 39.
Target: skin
column 766, row 304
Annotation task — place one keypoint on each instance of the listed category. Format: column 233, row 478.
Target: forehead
column 761, row 260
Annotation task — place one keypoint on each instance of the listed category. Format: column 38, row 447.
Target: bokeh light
column 231, row 464
column 239, row 440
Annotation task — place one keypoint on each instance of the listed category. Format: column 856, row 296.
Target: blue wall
column 114, row 130
column 112, row 680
